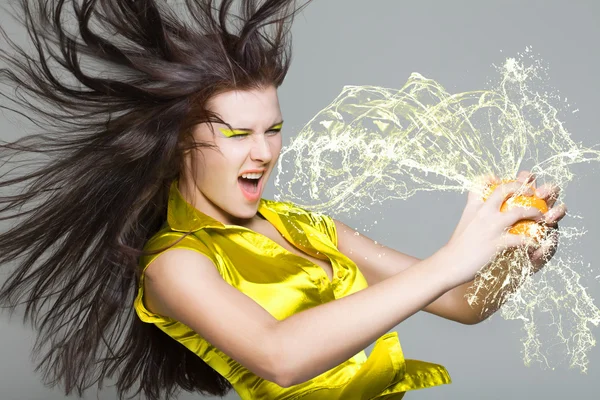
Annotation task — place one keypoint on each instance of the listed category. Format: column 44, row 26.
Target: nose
column 261, row 149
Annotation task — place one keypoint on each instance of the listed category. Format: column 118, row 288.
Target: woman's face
column 226, row 187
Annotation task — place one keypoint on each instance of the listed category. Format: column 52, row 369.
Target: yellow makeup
column 235, row 132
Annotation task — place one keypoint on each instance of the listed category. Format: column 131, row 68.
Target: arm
column 184, row 285
column 378, row 263
column 349, row 324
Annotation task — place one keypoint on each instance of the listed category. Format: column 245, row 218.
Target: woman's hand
column 485, row 230
column 474, row 202
column 539, row 255
column 475, row 199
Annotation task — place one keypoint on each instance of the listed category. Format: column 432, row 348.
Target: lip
column 252, row 171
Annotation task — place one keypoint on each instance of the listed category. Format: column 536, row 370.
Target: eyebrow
column 278, row 125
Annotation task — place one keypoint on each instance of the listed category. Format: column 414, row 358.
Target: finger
column 484, row 181
column 503, row 191
column 513, row 215
column 490, row 177
column 522, row 175
column 480, row 188
column 511, row 240
column 526, row 177
column 531, row 181
column 555, row 214
column 545, row 191
column 549, row 193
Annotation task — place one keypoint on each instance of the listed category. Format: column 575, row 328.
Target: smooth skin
column 186, row 286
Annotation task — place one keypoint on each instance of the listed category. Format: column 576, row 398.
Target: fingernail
column 530, row 178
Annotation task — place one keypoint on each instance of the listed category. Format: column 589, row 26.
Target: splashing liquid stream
column 373, row 144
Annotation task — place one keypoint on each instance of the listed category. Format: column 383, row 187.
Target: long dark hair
column 114, row 94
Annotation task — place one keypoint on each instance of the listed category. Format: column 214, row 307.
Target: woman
column 167, row 149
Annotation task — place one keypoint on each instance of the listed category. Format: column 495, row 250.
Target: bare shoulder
column 185, row 285
column 176, row 267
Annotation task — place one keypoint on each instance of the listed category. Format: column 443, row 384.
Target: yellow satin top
column 284, row 283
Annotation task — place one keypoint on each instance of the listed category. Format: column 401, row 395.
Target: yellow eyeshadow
column 233, row 132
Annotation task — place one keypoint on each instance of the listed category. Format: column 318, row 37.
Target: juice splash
column 373, row 144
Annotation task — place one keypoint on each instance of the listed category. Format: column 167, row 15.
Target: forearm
column 316, row 340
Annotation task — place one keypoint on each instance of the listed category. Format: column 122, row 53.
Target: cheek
column 276, row 145
column 210, row 166
column 230, row 156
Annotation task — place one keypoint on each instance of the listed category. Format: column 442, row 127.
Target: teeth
column 252, row 175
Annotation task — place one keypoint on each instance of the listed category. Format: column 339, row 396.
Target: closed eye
column 234, row 132
column 239, row 135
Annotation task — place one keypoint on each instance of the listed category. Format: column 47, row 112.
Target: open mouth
column 251, row 185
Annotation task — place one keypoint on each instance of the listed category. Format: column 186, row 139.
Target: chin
column 245, row 212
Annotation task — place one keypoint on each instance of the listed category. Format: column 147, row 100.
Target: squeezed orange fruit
column 525, row 226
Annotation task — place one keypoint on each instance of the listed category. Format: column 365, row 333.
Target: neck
column 195, row 198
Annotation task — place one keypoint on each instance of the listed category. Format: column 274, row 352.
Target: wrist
column 451, row 266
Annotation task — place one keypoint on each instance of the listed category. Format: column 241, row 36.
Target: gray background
column 351, row 42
